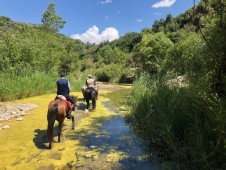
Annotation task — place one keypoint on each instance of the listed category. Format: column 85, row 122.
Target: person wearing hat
column 64, row 88
column 90, row 83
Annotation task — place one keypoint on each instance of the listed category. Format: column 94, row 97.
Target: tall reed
column 180, row 123
column 14, row 86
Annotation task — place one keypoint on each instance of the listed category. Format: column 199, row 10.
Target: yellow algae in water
column 115, row 157
column 24, row 144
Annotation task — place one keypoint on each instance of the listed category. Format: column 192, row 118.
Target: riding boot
column 69, row 114
column 83, row 93
column 73, row 107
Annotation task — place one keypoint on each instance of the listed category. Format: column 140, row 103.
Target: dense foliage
column 185, row 120
column 28, row 49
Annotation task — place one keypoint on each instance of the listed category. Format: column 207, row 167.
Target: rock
column 13, row 113
column 19, row 119
column 14, row 110
column 23, row 114
column 5, row 127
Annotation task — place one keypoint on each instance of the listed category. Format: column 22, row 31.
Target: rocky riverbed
column 9, row 111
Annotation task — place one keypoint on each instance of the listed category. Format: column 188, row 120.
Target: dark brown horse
column 90, row 94
column 57, row 110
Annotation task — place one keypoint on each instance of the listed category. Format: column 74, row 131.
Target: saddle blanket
column 61, row 97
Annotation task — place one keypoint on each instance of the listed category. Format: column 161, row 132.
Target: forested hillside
column 182, row 118
column 32, row 54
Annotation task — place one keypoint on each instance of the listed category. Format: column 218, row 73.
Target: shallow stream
column 119, row 147
column 100, row 141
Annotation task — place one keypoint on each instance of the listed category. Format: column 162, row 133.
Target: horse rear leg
column 50, row 136
column 94, row 104
column 60, row 130
column 73, row 122
column 87, row 104
column 50, row 145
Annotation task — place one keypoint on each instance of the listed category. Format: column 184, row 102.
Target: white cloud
column 106, row 2
column 163, row 3
column 93, row 36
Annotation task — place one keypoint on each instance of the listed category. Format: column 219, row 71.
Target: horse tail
column 93, row 93
column 51, row 121
column 93, row 98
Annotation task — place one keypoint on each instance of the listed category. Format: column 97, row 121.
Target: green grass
column 21, row 86
column 29, row 84
column 184, row 125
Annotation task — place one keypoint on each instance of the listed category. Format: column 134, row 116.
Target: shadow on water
column 40, row 139
column 120, row 137
column 81, row 106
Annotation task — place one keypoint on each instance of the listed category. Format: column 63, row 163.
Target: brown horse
column 57, row 110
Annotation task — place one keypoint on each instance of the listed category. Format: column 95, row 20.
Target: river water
column 111, row 144
column 134, row 151
column 124, row 140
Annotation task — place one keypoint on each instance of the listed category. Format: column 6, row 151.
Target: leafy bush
column 111, row 73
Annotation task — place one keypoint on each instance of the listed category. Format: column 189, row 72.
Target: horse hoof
column 73, row 126
column 50, row 146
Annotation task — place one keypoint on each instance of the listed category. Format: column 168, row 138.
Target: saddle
column 89, row 89
column 62, row 98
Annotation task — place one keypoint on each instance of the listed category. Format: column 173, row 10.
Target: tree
column 52, row 20
column 169, row 18
column 151, row 52
column 127, row 42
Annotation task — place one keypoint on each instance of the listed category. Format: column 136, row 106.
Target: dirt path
column 24, row 144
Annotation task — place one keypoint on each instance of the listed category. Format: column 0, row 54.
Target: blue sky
column 96, row 20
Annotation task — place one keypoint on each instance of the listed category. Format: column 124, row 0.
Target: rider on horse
column 90, row 83
column 64, row 88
